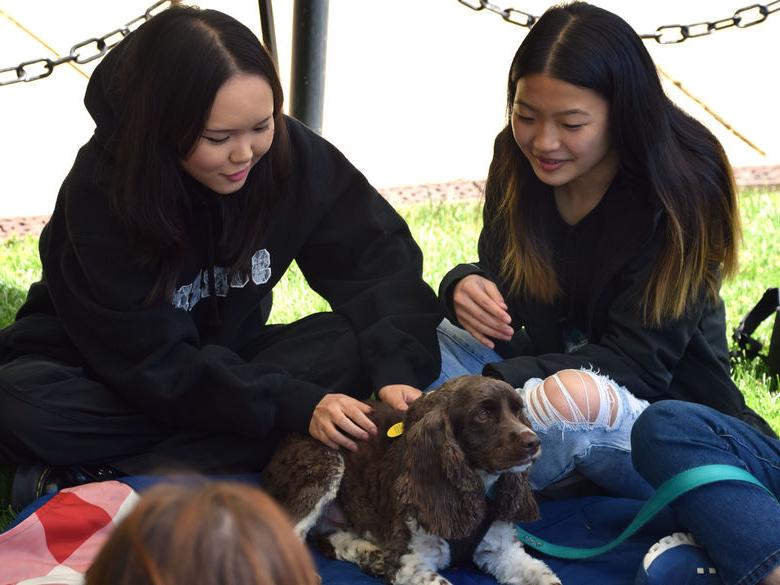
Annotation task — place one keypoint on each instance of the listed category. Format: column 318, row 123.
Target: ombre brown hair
column 217, row 533
column 683, row 165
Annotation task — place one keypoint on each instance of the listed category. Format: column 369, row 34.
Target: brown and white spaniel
column 449, row 487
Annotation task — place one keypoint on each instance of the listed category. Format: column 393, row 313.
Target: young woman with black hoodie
column 610, row 219
column 145, row 343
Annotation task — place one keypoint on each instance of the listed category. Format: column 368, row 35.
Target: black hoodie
column 168, row 358
column 607, row 262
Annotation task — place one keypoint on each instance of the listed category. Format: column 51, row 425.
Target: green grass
column 19, row 266
column 447, row 233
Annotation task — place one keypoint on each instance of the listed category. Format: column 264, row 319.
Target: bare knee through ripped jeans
column 573, row 398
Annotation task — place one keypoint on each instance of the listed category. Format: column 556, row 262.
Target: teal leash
column 670, row 490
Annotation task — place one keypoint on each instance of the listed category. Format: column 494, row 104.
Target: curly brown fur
column 302, row 475
column 432, row 457
column 365, row 495
column 469, row 431
column 515, row 501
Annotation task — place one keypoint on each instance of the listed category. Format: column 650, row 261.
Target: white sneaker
column 677, row 560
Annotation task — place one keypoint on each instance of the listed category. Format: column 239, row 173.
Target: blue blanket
column 582, row 522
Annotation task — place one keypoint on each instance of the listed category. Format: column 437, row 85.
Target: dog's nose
column 529, row 441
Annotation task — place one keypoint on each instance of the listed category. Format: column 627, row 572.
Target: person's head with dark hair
column 194, row 95
column 216, row 533
column 584, row 103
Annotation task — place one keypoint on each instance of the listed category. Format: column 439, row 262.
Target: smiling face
column 238, row 133
column 563, row 131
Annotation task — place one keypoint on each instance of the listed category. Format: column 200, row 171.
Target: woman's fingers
column 495, row 295
column 482, row 325
column 494, row 311
column 480, row 308
column 339, row 418
column 484, row 322
column 335, row 436
column 328, row 433
column 484, row 340
column 322, row 437
column 356, row 422
column 399, row 396
column 485, row 335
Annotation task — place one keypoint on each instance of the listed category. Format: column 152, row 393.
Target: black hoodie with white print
column 169, row 358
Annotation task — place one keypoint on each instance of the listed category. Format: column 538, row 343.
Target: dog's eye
column 516, row 406
column 482, row 415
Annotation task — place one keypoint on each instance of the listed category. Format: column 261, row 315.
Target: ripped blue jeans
column 591, row 435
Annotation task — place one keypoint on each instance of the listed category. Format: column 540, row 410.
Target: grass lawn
column 447, row 234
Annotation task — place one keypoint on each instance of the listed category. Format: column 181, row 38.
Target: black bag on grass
column 749, row 346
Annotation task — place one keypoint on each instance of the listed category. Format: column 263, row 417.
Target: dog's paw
column 420, row 578
column 547, row 577
column 376, row 563
column 530, row 571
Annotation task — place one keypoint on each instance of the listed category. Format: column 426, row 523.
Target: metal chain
column 83, row 52
column 664, row 35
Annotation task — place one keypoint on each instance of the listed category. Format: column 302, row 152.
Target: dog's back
column 366, row 488
column 305, row 476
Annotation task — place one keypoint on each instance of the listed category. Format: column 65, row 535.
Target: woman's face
column 563, row 131
column 239, row 131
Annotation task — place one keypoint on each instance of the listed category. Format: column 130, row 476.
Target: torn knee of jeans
column 574, row 398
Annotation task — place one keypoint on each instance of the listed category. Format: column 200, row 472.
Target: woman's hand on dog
column 337, row 414
column 481, row 309
column 399, row 396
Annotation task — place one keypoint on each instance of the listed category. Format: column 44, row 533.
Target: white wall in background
column 414, row 92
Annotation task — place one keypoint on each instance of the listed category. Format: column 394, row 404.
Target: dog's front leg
column 348, row 546
column 417, row 571
column 503, row 556
column 426, row 554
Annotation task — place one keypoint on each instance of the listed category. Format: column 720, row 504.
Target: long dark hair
column 169, row 76
column 681, row 162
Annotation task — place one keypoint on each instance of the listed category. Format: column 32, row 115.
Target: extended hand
column 337, row 414
column 399, row 396
column 481, row 309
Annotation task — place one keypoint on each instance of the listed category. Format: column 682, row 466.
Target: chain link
column 83, row 52
column 664, row 35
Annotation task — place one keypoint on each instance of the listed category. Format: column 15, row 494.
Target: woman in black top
column 145, row 343
column 610, row 218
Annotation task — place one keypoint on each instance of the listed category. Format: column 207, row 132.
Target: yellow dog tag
column 396, row 430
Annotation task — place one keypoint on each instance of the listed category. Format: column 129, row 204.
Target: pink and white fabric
column 56, row 544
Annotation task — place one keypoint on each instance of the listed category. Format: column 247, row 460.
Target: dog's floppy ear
column 437, row 486
column 515, row 501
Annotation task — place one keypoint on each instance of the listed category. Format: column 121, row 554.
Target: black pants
column 55, row 413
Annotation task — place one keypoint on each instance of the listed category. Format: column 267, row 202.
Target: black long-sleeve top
column 603, row 264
